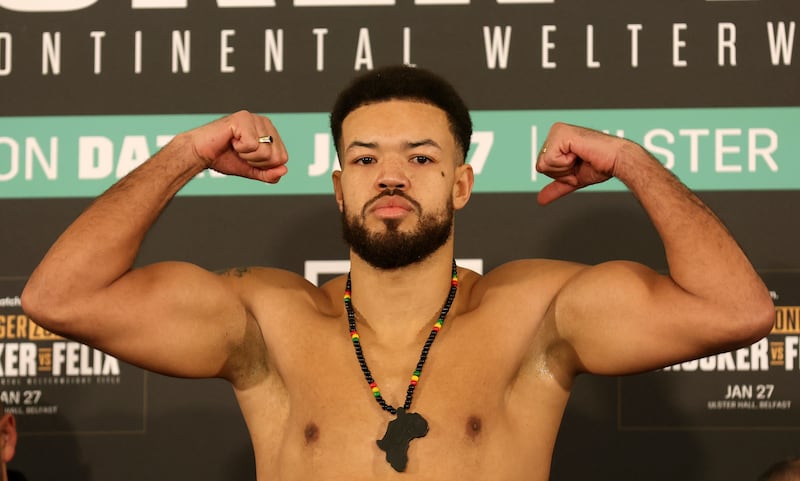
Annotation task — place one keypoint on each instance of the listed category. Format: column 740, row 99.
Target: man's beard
column 392, row 249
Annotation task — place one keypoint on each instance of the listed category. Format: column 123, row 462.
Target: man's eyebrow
column 411, row 144
column 424, row 142
column 359, row 143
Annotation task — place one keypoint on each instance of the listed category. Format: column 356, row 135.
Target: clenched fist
column 575, row 157
column 230, row 145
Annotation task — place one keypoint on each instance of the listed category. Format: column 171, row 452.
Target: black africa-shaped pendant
column 399, row 433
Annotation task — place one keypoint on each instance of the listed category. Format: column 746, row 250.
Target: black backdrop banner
column 83, row 57
column 720, row 77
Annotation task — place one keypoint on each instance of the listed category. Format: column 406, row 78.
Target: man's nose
column 393, row 176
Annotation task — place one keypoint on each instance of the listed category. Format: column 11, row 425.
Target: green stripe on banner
column 709, row 149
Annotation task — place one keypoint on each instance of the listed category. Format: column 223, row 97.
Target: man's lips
column 391, row 206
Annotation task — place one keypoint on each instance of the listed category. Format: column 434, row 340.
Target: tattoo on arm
column 235, row 272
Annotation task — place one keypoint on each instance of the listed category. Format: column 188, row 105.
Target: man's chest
column 456, row 405
column 342, row 433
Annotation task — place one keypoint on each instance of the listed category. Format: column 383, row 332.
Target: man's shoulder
column 266, row 278
column 531, row 270
column 261, row 286
column 529, row 279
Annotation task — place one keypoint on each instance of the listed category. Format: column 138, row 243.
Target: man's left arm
column 622, row 317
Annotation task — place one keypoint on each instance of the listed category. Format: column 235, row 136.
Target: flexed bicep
column 85, row 287
column 173, row 318
column 621, row 317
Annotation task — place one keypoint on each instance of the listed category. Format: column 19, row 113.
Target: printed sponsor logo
column 53, row 381
column 752, row 387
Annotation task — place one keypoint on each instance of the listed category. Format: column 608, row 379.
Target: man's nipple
column 311, row 433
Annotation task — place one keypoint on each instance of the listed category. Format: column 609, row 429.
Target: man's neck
column 400, row 302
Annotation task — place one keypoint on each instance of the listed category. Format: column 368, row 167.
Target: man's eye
column 421, row 159
column 365, row 160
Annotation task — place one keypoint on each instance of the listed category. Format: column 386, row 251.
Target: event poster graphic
column 755, row 387
column 56, row 385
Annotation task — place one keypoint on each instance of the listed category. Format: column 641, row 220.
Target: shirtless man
column 497, row 376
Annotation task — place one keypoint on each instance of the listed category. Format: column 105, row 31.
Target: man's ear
column 337, row 188
column 462, row 187
column 8, row 437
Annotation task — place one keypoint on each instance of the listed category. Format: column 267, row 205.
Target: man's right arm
column 170, row 317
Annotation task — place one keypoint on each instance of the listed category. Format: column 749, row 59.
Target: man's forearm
column 703, row 258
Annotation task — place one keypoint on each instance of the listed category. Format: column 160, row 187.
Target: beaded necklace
column 406, row 426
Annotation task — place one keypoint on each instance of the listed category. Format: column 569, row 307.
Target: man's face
column 400, row 182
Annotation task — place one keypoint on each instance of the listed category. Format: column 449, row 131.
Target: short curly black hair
column 403, row 83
